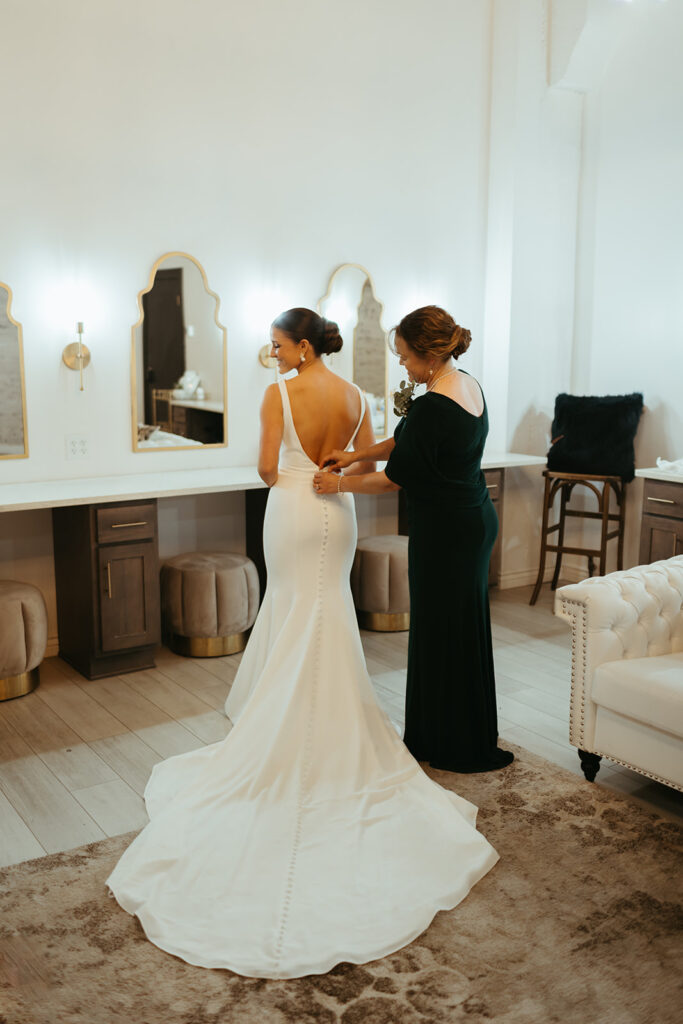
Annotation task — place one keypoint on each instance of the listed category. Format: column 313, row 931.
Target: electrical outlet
column 76, row 446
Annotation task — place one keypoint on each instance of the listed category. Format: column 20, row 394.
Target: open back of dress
column 310, row 835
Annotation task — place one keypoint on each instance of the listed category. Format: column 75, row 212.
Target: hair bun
column 461, row 339
column 331, row 338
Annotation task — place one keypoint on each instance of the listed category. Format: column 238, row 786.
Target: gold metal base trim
column 384, row 622
column 208, row 646
column 19, row 686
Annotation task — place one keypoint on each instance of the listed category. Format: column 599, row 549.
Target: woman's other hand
column 336, row 460
column 325, row 482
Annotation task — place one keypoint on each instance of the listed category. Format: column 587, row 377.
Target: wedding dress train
column 310, row 835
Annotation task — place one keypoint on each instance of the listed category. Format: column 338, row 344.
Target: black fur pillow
column 594, row 435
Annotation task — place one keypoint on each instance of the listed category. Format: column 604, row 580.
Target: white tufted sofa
column 627, row 669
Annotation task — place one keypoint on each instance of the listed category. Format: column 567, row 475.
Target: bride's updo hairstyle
column 302, row 323
column 431, row 331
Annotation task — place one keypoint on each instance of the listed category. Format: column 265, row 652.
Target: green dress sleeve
column 414, row 460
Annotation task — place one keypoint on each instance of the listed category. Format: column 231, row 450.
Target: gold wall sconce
column 77, row 355
column 265, row 358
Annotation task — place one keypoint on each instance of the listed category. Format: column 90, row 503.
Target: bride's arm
column 272, row 427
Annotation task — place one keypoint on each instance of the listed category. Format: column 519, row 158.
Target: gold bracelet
column 339, row 490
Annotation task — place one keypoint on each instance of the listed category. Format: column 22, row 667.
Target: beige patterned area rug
column 578, row 922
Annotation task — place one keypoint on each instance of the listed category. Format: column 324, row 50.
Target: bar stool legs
column 565, row 484
column 564, row 496
column 544, row 538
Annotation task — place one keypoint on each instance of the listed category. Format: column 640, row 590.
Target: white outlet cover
column 77, row 446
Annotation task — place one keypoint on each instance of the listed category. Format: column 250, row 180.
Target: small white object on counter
column 671, row 467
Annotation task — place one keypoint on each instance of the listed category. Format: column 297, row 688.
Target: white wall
column 630, row 285
column 272, row 142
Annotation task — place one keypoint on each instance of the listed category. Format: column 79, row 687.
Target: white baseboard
column 525, row 577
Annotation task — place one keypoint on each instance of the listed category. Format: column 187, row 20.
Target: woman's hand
column 337, row 460
column 325, row 482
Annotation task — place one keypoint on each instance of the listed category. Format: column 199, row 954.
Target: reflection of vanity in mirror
column 13, row 437
column 178, row 360
column 350, row 301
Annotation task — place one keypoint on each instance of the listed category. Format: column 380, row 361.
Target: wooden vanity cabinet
column 495, row 479
column 107, row 585
column 661, row 531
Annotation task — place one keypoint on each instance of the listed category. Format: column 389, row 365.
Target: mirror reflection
column 13, row 444
column 350, row 301
column 179, row 360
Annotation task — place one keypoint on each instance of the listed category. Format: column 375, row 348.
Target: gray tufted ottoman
column 379, row 582
column 209, row 600
column 23, row 637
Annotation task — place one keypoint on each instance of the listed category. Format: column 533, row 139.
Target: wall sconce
column 265, row 358
column 76, row 355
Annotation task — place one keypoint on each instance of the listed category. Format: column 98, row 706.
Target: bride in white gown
column 310, row 835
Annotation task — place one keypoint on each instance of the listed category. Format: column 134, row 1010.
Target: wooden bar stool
column 565, row 483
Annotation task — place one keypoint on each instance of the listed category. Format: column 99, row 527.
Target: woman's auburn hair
column 431, row 331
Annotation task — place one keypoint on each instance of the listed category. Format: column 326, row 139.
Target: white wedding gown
column 310, row 835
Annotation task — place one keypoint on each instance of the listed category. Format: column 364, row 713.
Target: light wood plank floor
column 75, row 755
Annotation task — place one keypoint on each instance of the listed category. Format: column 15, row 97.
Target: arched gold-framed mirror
column 179, row 359
column 350, row 301
column 13, row 429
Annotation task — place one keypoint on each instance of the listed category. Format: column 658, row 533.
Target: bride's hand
column 337, row 460
column 325, row 482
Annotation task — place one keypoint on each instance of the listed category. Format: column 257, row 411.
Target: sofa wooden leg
column 590, row 764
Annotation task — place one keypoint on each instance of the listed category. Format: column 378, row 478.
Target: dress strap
column 287, row 409
column 289, row 431
column 360, row 418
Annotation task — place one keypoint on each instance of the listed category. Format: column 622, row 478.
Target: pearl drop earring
column 302, row 358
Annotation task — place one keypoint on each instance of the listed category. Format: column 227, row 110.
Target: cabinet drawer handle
column 121, row 526
column 492, row 487
column 109, row 579
column 664, row 501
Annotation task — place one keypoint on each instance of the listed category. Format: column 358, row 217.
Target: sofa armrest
column 637, row 613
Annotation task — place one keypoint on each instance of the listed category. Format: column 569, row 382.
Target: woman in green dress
column 435, row 456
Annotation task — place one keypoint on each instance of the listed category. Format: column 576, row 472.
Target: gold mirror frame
column 319, row 310
column 20, row 342
column 176, row 254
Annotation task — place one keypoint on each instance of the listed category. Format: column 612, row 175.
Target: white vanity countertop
column 95, row 490
column 660, row 474
column 195, row 403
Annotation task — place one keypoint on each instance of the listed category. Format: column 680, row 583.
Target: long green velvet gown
column 451, row 717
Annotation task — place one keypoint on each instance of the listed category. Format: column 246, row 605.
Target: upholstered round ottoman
column 209, row 600
column 379, row 582
column 23, row 637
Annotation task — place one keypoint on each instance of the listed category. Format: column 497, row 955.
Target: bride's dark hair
column 300, row 323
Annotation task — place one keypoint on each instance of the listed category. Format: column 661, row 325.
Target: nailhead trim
column 575, row 613
column 640, row 771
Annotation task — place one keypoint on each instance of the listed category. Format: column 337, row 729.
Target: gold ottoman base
column 19, row 686
column 384, row 622
column 208, row 646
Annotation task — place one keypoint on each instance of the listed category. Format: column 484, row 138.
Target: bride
column 310, row 835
